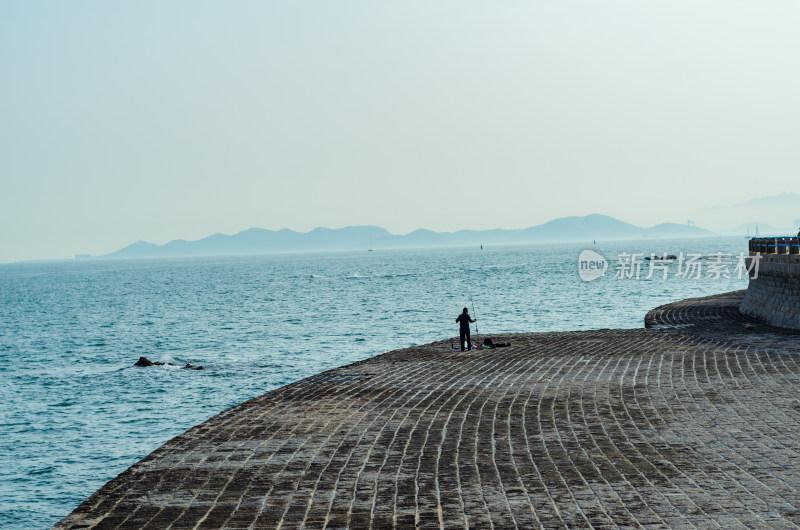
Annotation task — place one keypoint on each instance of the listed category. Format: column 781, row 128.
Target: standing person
column 464, row 321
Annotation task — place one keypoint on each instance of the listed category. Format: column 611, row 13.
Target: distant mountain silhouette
column 750, row 229
column 791, row 200
column 775, row 215
column 671, row 230
column 260, row 241
column 257, row 241
column 594, row 226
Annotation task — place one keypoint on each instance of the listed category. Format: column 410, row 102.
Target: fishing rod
column 473, row 311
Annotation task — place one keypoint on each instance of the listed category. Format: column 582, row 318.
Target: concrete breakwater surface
column 693, row 422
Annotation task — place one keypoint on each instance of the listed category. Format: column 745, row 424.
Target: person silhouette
column 464, row 321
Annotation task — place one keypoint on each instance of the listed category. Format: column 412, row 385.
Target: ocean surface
column 76, row 412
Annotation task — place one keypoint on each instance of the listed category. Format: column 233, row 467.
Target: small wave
column 62, row 404
column 42, row 470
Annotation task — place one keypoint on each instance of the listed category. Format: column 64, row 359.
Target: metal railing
column 775, row 245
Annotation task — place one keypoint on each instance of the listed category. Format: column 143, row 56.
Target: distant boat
column 370, row 246
column 747, row 235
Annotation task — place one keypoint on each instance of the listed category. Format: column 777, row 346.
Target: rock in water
column 144, row 361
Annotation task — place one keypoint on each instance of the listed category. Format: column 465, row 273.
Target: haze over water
column 77, row 413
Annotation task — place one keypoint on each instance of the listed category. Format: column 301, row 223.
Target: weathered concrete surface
column 774, row 295
column 692, row 423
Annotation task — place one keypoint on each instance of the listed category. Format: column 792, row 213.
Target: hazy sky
column 159, row 120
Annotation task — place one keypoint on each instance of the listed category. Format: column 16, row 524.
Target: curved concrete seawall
column 774, row 294
column 691, row 423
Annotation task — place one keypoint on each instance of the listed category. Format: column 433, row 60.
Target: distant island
column 261, row 241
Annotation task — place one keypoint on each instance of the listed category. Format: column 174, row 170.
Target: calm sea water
column 75, row 412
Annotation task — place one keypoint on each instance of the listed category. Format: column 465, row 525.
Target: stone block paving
column 692, row 423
